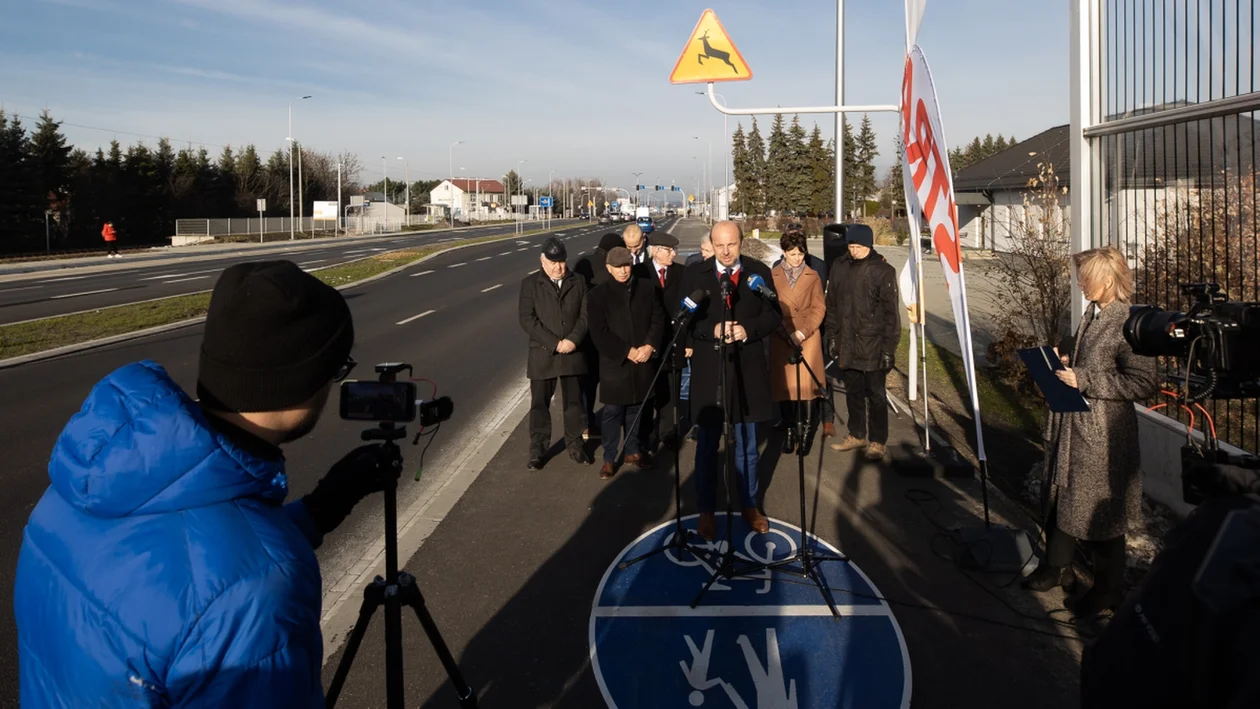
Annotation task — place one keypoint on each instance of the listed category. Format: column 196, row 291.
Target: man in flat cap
column 626, row 324
column 666, row 277
column 553, row 314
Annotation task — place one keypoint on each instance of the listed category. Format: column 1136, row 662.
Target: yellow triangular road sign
column 710, row 56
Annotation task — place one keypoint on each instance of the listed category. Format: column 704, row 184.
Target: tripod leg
column 410, row 595
column 372, row 598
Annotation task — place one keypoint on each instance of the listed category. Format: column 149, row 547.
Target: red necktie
column 662, row 272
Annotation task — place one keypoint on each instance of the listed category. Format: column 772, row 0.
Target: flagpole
column 922, row 325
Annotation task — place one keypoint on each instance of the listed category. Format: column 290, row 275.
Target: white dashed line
column 522, row 248
column 485, row 258
column 457, row 265
column 487, row 290
column 176, row 275
column 182, row 280
column 416, row 317
column 67, row 278
column 505, row 253
column 422, row 273
column 76, row 295
column 11, row 290
column 307, row 263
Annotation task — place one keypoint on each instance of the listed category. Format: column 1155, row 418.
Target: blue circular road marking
column 765, row 641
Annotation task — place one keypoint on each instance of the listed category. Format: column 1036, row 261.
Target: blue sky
column 576, row 87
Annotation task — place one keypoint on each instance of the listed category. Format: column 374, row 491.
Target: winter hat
column 609, row 241
column 860, row 234
column 620, row 256
column 554, row 250
column 274, row 336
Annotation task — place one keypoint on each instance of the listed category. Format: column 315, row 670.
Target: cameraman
column 161, row 567
column 1093, row 476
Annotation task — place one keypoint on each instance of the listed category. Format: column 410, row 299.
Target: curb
column 159, row 329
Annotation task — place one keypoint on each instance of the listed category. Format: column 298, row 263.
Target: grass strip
column 34, row 336
column 1000, row 404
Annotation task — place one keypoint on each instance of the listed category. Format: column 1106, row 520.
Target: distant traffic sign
column 262, row 205
column 544, row 202
column 590, row 203
column 605, row 204
column 710, row 55
column 691, row 198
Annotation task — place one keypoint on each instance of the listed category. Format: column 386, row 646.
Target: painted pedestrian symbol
column 727, row 65
column 765, row 641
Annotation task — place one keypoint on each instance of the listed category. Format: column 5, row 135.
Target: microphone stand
column 678, row 541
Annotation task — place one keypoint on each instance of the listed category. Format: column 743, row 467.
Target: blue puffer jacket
column 160, row 568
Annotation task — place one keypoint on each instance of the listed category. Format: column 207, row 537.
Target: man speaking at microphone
column 741, row 320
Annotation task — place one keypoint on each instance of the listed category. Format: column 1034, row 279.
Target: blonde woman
column 1092, row 462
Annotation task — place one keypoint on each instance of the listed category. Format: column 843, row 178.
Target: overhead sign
column 759, row 641
column 544, row 202
column 710, row 56
column 325, row 210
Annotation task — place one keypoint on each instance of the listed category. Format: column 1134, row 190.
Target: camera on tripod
column 1219, row 340
column 388, row 400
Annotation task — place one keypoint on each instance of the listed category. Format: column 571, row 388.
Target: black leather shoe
column 1047, row 577
column 1093, row 602
column 535, row 463
column 789, row 442
column 581, row 457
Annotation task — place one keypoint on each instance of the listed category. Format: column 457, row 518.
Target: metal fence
column 353, row 223
column 1174, row 156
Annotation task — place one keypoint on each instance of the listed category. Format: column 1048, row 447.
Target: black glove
column 832, row 350
column 360, row 473
column 886, row 362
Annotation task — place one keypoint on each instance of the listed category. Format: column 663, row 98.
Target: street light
column 519, row 186
column 638, row 197
column 709, row 194
column 726, row 141
column 407, row 185
column 290, row 139
column 450, row 177
column 385, row 187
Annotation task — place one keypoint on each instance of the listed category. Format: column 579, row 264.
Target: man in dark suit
column 666, row 276
column 626, row 320
column 593, row 269
column 553, row 314
column 743, row 321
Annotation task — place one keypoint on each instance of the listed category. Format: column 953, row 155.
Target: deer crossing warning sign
column 709, row 56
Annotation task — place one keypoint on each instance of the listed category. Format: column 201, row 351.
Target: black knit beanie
column 274, row 336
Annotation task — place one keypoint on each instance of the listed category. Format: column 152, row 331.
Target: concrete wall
column 1161, row 439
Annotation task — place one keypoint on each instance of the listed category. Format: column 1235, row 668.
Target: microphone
column 690, row 304
column 758, row 285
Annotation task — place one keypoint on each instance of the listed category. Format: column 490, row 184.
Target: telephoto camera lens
column 1150, row 332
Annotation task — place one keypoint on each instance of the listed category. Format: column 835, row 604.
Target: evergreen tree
column 21, row 207
column 51, row 157
column 895, row 188
column 852, row 171
column 799, row 174
column 820, row 166
column 867, row 151
column 778, row 166
column 741, row 168
column 512, row 182
column 757, row 159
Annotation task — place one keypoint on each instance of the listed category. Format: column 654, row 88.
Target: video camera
column 388, row 400
column 1218, row 338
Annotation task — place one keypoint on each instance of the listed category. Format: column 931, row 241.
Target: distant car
column 605, row 219
column 670, row 213
column 646, row 225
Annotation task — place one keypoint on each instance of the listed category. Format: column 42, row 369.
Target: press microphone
column 758, row 285
column 690, row 304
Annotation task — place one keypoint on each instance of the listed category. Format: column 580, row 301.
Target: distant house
column 468, row 195
column 1152, row 174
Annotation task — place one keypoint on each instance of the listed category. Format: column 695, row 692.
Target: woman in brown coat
column 801, row 299
column 1093, row 461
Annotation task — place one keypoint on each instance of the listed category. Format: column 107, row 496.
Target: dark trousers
column 863, row 389
column 709, row 465
column 617, row 418
column 113, row 247
column 589, row 384
column 541, row 391
column 658, row 420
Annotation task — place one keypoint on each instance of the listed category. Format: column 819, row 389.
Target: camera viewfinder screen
column 378, row 401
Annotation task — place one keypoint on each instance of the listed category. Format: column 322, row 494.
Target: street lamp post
column 385, row 187
column 726, row 141
column 709, row 172
column 450, row 176
column 519, row 186
column 290, row 139
column 550, row 173
column 637, row 196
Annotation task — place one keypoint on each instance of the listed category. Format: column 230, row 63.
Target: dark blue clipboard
column 1042, row 363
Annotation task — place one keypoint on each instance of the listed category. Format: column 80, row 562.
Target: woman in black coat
column 626, row 324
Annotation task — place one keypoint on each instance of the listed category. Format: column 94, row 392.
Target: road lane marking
column 415, row 317
column 457, row 265
column 183, row 280
column 505, row 253
column 307, row 263
column 485, row 258
column 359, row 251
column 11, row 290
column 487, row 290
column 76, row 295
column 177, row 275
column 422, row 273
column 522, row 248
column 532, row 272
column 67, row 278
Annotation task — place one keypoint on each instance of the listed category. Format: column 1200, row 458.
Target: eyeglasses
column 344, row 370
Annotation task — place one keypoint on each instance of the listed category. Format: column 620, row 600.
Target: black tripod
column 726, row 566
column 402, row 591
column 806, row 555
column 678, row 541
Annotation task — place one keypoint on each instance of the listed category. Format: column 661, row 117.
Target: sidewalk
column 513, row 573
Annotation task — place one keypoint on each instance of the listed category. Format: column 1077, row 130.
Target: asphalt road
column 45, row 294
column 453, row 317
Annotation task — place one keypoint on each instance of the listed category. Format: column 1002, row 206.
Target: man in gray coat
column 553, row 314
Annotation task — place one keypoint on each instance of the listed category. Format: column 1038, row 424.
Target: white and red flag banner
column 926, row 170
